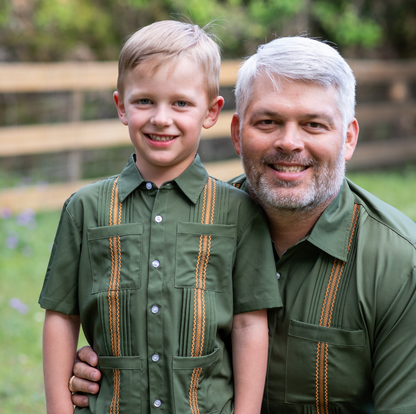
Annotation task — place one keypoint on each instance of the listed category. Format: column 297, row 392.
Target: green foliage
column 345, row 26
column 84, row 29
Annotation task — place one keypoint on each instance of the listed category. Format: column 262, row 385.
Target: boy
column 162, row 264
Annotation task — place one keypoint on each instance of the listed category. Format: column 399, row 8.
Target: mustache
column 291, row 158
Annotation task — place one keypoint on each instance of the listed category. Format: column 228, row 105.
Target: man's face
column 292, row 145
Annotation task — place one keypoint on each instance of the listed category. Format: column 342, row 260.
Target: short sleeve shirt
column 156, row 275
column 344, row 341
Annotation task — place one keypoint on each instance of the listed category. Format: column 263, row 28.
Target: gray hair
column 298, row 59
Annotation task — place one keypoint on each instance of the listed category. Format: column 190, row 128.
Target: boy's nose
column 161, row 117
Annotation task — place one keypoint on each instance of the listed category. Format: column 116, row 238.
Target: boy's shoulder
column 238, row 199
column 88, row 195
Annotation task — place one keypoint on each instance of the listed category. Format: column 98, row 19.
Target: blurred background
column 59, row 127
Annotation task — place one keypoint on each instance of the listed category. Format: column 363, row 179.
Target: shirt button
column 155, row 309
column 278, row 275
column 157, row 403
column 158, row 219
column 155, row 264
column 149, row 186
column 155, row 357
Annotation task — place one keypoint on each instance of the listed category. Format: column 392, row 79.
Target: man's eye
column 314, row 125
column 144, row 101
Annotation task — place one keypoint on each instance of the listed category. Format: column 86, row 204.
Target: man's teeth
column 286, row 169
column 160, row 138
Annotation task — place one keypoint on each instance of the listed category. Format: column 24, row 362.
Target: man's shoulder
column 383, row 215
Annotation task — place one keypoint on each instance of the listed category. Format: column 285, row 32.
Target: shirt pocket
column 200, row 385
column 204, row 255
column 115, row 253
column 324, row 363
column 119, row 386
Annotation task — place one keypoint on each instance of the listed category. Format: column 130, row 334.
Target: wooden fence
column 400, row 107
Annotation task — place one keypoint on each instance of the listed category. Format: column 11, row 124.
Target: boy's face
column 165, row 111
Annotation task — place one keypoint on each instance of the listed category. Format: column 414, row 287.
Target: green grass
column 23, row 266
column 24, row 253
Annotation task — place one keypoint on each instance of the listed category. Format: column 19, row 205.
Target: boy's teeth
column 286, row 169
column 159, row 138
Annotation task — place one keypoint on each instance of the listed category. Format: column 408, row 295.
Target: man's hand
column 85, row 376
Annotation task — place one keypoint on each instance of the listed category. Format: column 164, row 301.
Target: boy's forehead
column 153, row 65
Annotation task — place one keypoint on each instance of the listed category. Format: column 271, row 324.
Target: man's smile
column 288, row 168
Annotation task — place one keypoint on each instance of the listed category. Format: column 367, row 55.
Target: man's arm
column 250, row 348
column 60, row 338
column 394, row 355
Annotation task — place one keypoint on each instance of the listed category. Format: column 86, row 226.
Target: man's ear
column 235, row 133
column 351, row 139
column 213, row 112
column 121, row 109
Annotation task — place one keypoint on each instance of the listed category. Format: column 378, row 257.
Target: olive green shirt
column 344, row 341
column 156, row 275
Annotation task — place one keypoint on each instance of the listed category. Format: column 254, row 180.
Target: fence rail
column 78, row 78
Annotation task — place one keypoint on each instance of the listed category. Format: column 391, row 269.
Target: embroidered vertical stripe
column 113, row 290
column 198, row 331
column 325, row 320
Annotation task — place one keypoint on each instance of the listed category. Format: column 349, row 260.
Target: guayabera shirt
column 344, row 341
column 156, row 275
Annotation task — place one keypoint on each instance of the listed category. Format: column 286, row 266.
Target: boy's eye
column 181, row 104
column 144, row 101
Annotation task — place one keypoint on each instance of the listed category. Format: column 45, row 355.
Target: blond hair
column 167, row 41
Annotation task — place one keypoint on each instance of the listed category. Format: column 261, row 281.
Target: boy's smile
column 165, row 109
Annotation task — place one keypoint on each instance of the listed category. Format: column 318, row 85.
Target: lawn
column 26, row 241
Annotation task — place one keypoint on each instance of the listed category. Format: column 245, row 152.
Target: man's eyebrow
column 322, row 115
column 266, row 113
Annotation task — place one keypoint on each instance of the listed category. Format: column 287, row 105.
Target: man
column 344, row 341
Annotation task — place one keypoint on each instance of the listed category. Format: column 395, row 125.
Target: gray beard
column 321, row 190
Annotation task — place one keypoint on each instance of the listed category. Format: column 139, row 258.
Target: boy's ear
column 121, row 109
column 235, row 133
column 213, row 112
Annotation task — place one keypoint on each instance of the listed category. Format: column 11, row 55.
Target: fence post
column 74, row 172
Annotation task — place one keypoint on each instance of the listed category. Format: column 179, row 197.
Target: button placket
column 155, row 331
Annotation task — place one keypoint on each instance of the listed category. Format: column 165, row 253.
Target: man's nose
column 289, row 139
column 161, row 116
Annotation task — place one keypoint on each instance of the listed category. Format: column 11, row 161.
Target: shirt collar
column 191, row 181
column 331, row 232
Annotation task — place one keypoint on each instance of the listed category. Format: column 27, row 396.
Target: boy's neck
column 159, row 175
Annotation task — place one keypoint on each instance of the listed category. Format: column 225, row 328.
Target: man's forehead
column 275, row 90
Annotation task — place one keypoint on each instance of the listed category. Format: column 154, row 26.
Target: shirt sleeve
column 60, row 287
column 254, row 275
column 394, row 355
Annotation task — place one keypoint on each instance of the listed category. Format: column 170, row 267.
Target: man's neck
column 289, row 227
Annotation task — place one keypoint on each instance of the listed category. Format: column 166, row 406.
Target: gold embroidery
column 321, row 380
column 198, row 331
column 113, row 289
